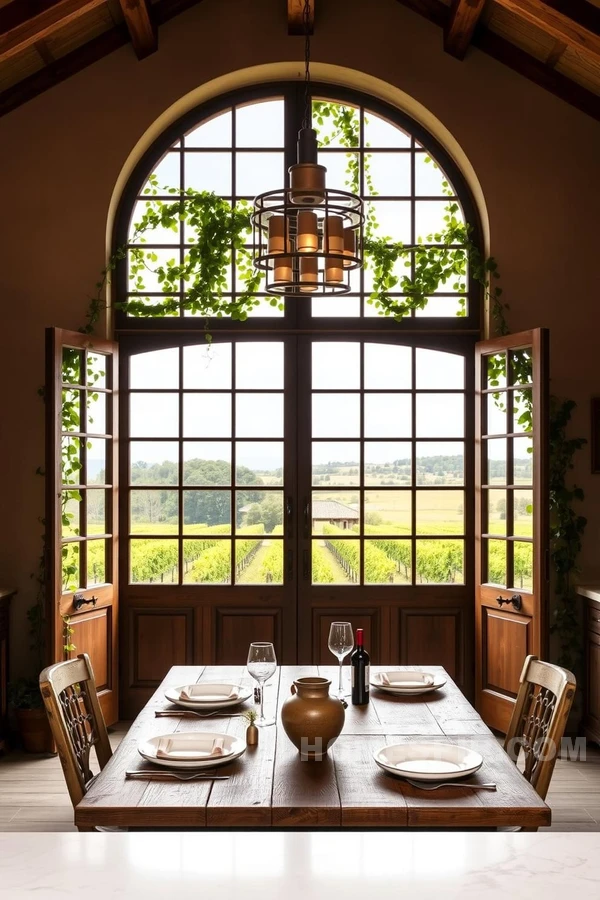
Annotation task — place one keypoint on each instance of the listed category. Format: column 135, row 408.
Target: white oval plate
column 233, row 746
column 172, row 695
column 428, row 762
column 400, row 690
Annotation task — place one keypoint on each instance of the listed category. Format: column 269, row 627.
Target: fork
column 195, row 776
column 191, row 714
column 425, row 786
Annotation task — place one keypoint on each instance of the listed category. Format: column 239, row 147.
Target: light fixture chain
column 307, row 120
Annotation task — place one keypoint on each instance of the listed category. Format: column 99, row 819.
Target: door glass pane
column 521, row 366
column 96, row 413
column 259, row 462
column 440, row 463
column 153, row 561
column 440, row 562
column 259, row 415
column 154, row 415
column 259, row 512
column 523, row 513
column 71, row 411
column 523, row 460
column 96, row 369
column 388, row 561
column 154, row 462
column 204, row 509
column 523, row 575
column 259, row 365
column 207, row 367
column 440, row 415
column 388, row 512
column 72, row 362
column 154, row 512
column 70, row 566
column 71, row 460
column 335, row 415
column 522, row 410
column 496, row 460
column 496, row 518
column 436, row 369
column 96, row 512
column 155, row 369
column 440, row 512
column 211, row 563
column 329, row 565
column 495, row 370
column 336, row 509
column 335, row 462
column 206, row 415
column 96, row 563
column 206, row 462
column 388, row 463
column 96, row 461
column 258, row 561
column 388, row 367
column 496, row 551
column 71, row 513
column 388, row 415
column 335, row 364
column 496, row 413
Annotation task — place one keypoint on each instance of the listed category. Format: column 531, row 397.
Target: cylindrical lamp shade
column 333, row 241
column 334, row 271
column 349, row 245
column 282, row 271
column 307, row 237
column 277, row 234
column 309, row 274
column 307, row 183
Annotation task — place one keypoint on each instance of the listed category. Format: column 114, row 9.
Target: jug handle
column 293, row 689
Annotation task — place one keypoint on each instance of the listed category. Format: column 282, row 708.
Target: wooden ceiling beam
column 564, row 28
column 141, row 26
column 22, row 29
column 295, row 13
column 461, row 24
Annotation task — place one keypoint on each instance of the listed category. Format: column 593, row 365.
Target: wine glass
column 341, row 642
column 262, row 664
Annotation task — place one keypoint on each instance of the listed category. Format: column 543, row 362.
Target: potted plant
column 32, row 722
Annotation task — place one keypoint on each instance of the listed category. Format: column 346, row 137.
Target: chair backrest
column 71, row 701
column 539, row 720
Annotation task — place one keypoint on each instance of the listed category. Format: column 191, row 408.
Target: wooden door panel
column 236, row 628
column 93, row 630
column 507, row 642
column 367, row 619
column 433, row 638
column 161, row 638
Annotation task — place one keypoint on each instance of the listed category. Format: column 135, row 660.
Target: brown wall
column 61, row 154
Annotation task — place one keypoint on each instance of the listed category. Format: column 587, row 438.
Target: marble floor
column 33, row 796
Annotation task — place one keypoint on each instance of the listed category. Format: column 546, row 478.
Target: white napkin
column 166, row 750
column 205, row 693
column 406, row 679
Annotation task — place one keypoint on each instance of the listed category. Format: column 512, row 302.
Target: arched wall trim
column 289, row 71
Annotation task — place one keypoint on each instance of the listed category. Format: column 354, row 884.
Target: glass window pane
column 388, row 415
column 210, row 562
column 342, row 168
column 388, row 512
column 445, row 307
column 522, row 411
column 388, row 462
column 206, row 171
column 258, row 462
column 440, row 463
column 154, row 415
column 214, row 132
column 154, row 512
column 336, row 462
column 496, row 512
column 381, row 133
column 70, row 566
column 71, row 460
column 96, row 563
column 207, row 367
column 430, row 180
column 394, row 219
column 258, row 561
column 521, row 366
column 97, row 367
column 153, row 561
column 259, row 365
column 388, row 561
column 96, row 512
column 429, row 219
column 259, row 124
column 156, row 369
column 335, row 364
column 96, row 461
column 495, row 369
column 207, row 462
column 207, row 415
column 258, row 172
column 388, row 366
column 440, row 512
column 202, row 510
column 496, row 413
column 167, row 172
column 72, row 362
column 259, row 415
column 71, row 411
column 523, row 513
column 71, row 513
column 523, row 566
column 522, row 460
column 338, row 509
column 436, row 369
column 96, row 413
column 440, row 415
column 335, row 307
column 329, row 566
column 496, row 565
column 390, row 174
column 259, row 512
column 336, row 415
column 154, row 462
column 160, row 235
column 496, row 460
column 440, row 562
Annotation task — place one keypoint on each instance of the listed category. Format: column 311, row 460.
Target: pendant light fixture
column 307, row 237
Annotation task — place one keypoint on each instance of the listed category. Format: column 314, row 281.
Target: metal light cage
column 286, row 268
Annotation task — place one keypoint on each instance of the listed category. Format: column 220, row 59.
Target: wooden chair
column 539, row 720
column 71, row 701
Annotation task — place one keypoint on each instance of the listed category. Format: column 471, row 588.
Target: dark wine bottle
column 360, row 663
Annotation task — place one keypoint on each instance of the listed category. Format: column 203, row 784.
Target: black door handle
column 79, row 600
column 516, row 600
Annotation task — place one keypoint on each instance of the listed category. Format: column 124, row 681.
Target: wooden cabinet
column 591, row 721
column 5, row 596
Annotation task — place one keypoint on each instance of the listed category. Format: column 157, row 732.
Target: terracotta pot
column 35, row 731
column 311, row 718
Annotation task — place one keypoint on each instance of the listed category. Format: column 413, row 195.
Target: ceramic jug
column 311, row 718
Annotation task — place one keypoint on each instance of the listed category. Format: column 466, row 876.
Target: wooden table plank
column 270, row 786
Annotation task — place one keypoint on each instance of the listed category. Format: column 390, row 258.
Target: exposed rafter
column 461, row 24
column 295, row 12
column 567, row 29
column 141, row 26
column 19, row 29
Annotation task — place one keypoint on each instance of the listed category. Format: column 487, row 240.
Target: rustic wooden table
column 270, row 787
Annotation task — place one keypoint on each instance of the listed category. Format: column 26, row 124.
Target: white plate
column 407, row 690
column 244, row 692
column 428, row 762
column 201, row 741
